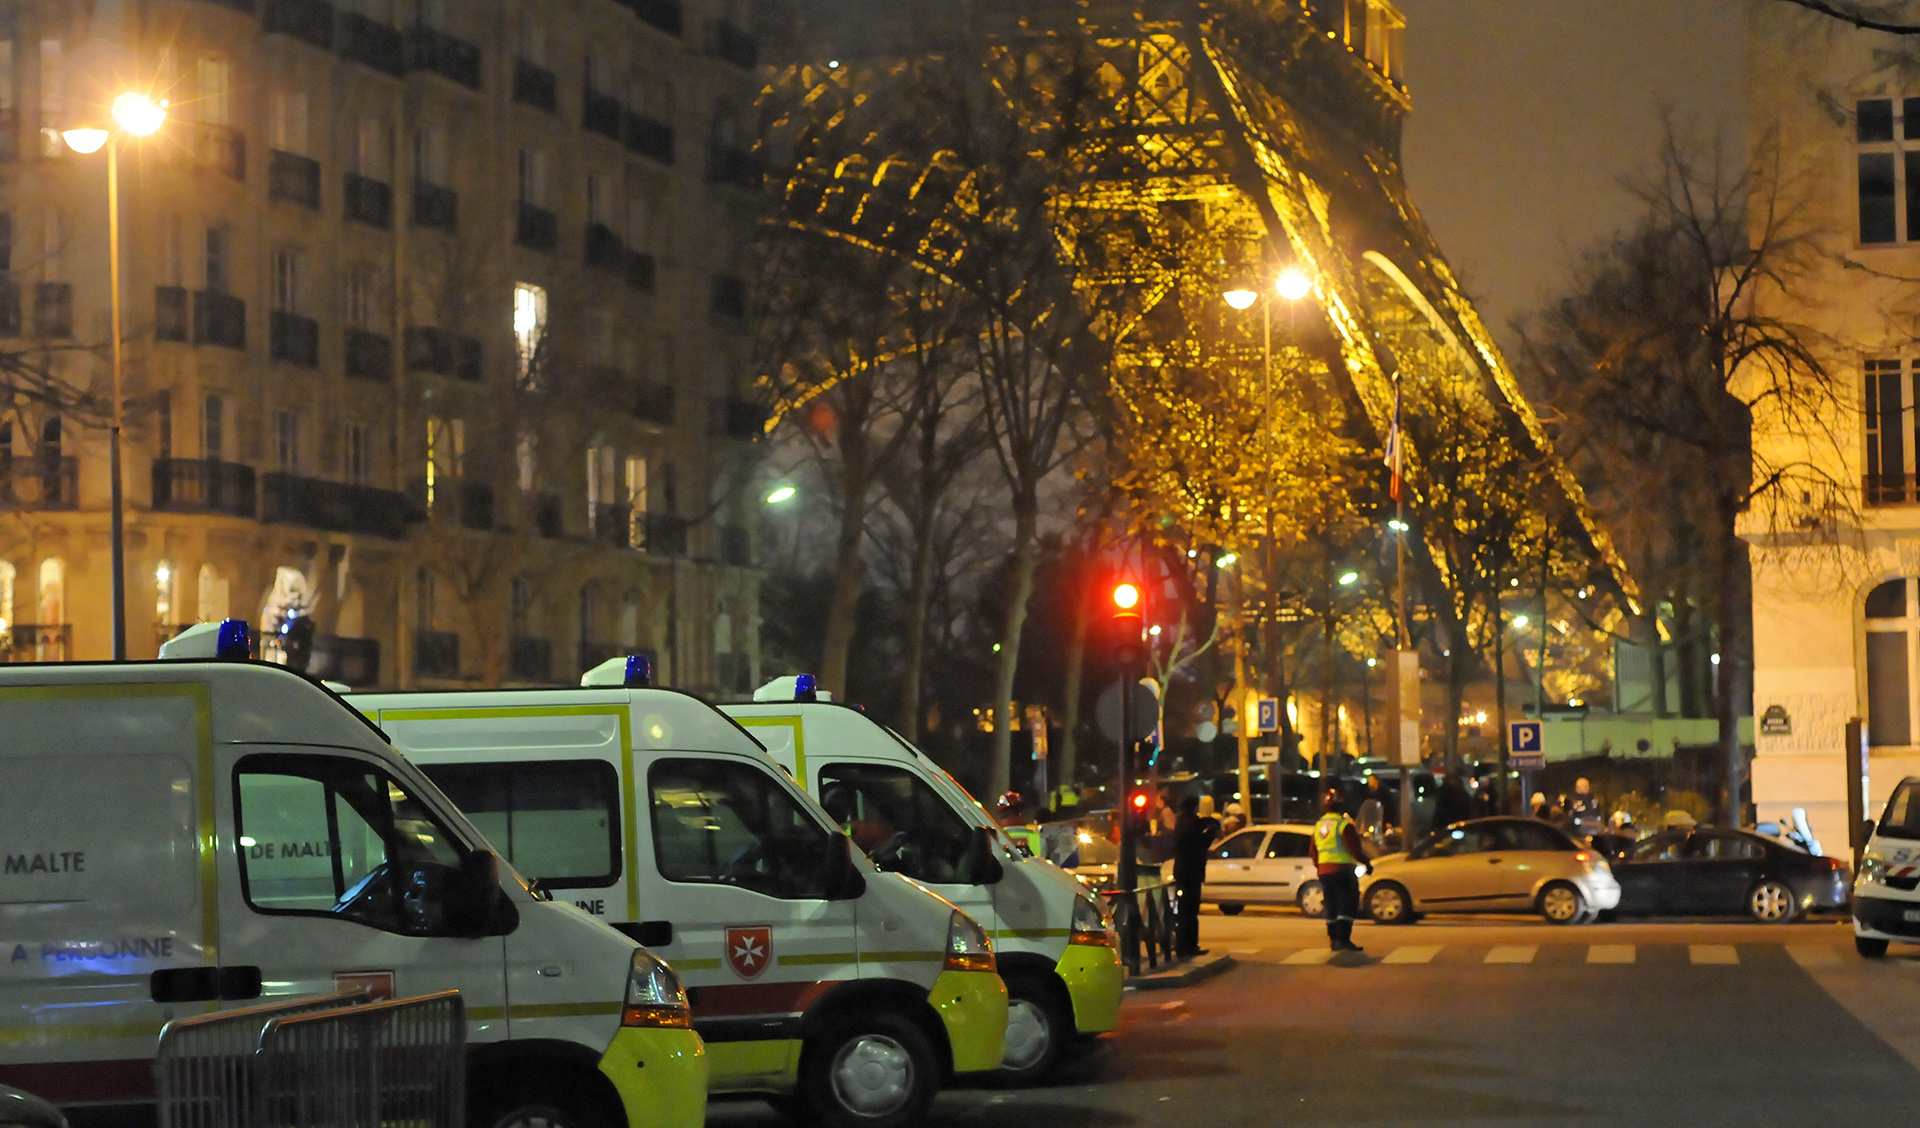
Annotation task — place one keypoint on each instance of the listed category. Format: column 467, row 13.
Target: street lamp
column 781, row 495
column 138, row 116
column 1348, row 579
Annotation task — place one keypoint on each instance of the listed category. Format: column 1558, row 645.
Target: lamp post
column 138, row 116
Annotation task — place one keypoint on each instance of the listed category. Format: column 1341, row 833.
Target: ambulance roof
column 663, row 719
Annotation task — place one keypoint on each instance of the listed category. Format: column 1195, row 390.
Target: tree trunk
column 1727, row 674
column 1026, row 557
column 843, row 611
column 918, row 596
column 1460, row 659
column 1500, row 710
column 1067, row 763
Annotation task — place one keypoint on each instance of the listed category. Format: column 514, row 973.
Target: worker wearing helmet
column 1011, row 813
column 1338, row 853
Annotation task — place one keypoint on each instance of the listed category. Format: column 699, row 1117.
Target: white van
column 1886, row 891
column 840, row 991
column 1057, row 955
column 178, row 836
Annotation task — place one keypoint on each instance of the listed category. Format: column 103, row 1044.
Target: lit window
column 1888, row 133
column 529, row 330
column 1893, row 632
column 164, row 600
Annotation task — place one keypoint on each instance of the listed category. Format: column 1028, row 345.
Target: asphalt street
column 1495, row 1021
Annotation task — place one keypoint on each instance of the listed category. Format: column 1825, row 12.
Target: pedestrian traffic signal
column 1127, row 623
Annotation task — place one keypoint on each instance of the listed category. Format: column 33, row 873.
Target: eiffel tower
column 1280, row 120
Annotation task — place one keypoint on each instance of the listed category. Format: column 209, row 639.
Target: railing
column 310, row 21
column 661, row 534
column 667, row 15
column 39, row 481
column 545, row 514
column 536, row 228
column 739, row 419
column 202, row 1075
column 293, row 338
column 219, row 319
column 1144, row 918
column 734, row 44
column 172, row 318
column 9, row 308
column 430, row 49
column 534, row 85
column 530, row 660
column 469, row 503
column 53, row 309
column 613, row 524
column 369, row 355
column 219, row 147
column 736, row 547
column 369, row 201
column 436, row 654
column 655, row 404
column 36, row 642
column 738, row 167
column 600, row 113
column 243, row 6
column 204, row 485
column 647, row 137
column 375, row 44
column 643, row 272
column 428, row 349
column 1890, row 489
column 288, row 499
column 605, row 248
column 466, row 359
column 293, row 178
column 435, row 206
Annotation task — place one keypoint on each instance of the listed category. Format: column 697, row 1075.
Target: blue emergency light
column 234, row 642
column 639, row 673
column 805, row 688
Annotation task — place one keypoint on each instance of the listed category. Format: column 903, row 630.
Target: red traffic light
column 1139, row 801
column 1126, row 597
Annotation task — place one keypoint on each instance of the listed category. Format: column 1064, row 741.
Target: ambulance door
column 897, row 818
column 751, row 898
column 344, row 878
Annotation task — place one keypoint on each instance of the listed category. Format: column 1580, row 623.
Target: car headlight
column 968, row 946
column 1091, row 925
column 654, row 994
column 1873, row 869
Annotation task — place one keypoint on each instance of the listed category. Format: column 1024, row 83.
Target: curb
column 1201, row 970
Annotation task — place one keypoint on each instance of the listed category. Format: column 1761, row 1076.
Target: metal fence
column 1144, row 919
column 334, row 1062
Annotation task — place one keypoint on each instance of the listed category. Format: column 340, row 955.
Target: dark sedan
column 1719, row 872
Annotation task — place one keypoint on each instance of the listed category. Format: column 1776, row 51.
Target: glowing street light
column 85, row 141
column 781, row 495
column 1227, row 560
column 1348, row 579
column 1397, row 525
column 1241, row 299
column 1520, row 622
column 139, row 114
column 1294, row 284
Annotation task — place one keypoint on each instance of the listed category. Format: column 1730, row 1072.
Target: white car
column 1265, row 865
column 1492, row 865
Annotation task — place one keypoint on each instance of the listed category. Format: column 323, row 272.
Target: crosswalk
column 1809, row 956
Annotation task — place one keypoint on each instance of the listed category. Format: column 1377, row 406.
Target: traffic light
column 1127, row 622
column 1140, row 811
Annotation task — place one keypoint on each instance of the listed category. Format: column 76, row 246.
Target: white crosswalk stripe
column 1611, row 954
column 1812, row 955
column 1513, row 954
column 1713, row 953
column 1310, row 956
column 1412, row 954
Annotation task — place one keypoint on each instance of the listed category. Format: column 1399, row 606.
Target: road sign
column 1267, row 754
column 1269, row 717
column 1527, row 751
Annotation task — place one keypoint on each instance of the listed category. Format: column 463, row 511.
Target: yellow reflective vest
column 1330, row 841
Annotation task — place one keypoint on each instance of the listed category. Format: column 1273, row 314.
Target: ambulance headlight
column 1091, row 925
column 1873, row 869
column 654, row 995
column 968, row 947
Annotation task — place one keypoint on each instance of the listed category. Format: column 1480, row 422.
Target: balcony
column 293, row 339
column 642, row 272
column 369, row 201
column 436, row 654
column 739, row 419
column 537, row 229
column 613, row 524
column 204, row 485
column 171, row 318
column 534, row 85
column 662, row 534
column 655, row 404
column 738, row 167
column 369, row 355
column 9, row 307
column 728, row 297
column 647, row 137
column 372, row 44
column 310, row 21
column 219, row 319
column 736, row 547
column 36, row 642
column 430, row 49
column 353, row 661
column 734, row 44
column 288, row 499
column 454, row 501
column 218, row 147
column 544, row 514
column 435, row 206
column 530, row 660
column 53, row 310
column 40, row 481
column 1890, row 489
column 667, row 15
column 428, row 349
column 466, row 359
column 604, row 248
column 293, row 178
column 9, row 136
column 600, row 113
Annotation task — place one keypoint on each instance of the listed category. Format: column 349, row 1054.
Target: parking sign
column 1269, row 717
column 1525, row 745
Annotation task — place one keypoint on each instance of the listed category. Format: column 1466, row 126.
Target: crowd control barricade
column 1144, row 919
column 334, row 1063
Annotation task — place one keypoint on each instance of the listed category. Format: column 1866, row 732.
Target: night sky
column 1528, row 112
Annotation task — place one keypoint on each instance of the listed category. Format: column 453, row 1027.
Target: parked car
column 1710, row 872
column 1265, row 865
column 24, row 1110
column 1492, row 865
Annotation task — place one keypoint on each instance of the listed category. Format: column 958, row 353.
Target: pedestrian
column 1235, row 821
column 1538, row 804
column 1584, row 808
column 1338, row 853
column 1193, row 833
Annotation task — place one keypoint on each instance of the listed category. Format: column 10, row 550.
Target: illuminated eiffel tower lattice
column 1274, row 125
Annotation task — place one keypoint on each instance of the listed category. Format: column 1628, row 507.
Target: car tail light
column 1583, row 857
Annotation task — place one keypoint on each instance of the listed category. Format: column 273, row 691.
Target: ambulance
column 845, row 994
column 178, row 837
column 1053, row 940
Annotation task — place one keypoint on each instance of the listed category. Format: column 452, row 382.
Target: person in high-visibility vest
column 1339, row 854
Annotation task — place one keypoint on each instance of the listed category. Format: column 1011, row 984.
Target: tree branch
column 1856, row 18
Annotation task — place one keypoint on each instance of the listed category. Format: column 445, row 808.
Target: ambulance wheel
column 531, row 1107
column 1228, row 908
column 869, row 1071
column 1038, row 1025
column 1869, row 947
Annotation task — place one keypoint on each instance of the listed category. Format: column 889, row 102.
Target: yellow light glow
column 139, row 114
column 162, row 574
column 85, row 140
column 1241, row 299
column 1294, row 284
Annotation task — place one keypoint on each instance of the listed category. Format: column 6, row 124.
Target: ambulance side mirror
column 983, row 857
column 477, row 906
column 845, row 882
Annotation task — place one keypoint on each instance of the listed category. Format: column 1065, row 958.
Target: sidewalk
column 1182, row 973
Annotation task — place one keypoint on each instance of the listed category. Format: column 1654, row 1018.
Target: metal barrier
column 1145, row 920
column 318, row 1063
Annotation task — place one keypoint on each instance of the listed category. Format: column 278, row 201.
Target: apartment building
column 434, row 333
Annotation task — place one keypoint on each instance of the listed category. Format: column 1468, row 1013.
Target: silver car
column 1265, row 865
column 1492, row 865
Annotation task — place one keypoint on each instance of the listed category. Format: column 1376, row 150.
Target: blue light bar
column 639, row 672
column 235, row 643
column 805, row 688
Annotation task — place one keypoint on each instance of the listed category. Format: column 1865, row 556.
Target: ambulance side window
column 900, row 822
column 332, row 837
column 721, row 823
column 556, row 820
column 1902, row 819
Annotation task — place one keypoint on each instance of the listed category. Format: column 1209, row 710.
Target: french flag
column 1396, row 457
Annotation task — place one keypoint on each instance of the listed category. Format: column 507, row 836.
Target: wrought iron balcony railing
column 293, row 339
column 433, row 50
column 288, row 499
column 310, row 21
column 436, row 654
column 204, row 485
column 172, row 317
column 39, row 481
column 647, row 137
column 373, row 43
column 536, row 228
column 36, row 642
column 534, row 85
column 369, row 355
column 600, row 113
column 369, row 201
column 219, row 319
column 293, row 178
column 435, row 206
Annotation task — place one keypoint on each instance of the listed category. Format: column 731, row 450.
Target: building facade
column 433, row 325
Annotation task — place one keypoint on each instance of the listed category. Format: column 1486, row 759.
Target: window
column 333, row 837
column 520, row 607
column 53, row 86
column 1725, row 848
column 1902, row 819
column 166, row 598
column 558, row 822
column 599, row 199
column 287, row 121
column 1243, row 845
column 902, row 823
column 1886, row 397
column 215, row 76
column 163, row 424
column 212, row 428
column 430, row 154
column 526, row 456
column 53, row 591
column 1887, row 131
column 371, row 148
column 722, row 823
column 286, row 266
column 1285, row 845
column 362, row 301
column 286, row 441
column 533, row 178
column 600, row 484
column 353, row 454
column 1661, row 848
column 1463, row 840
column 213, row 591
column 1893, row 632
column 532, row 40
column 6, row 597
column 529, row 330
column 216, row 260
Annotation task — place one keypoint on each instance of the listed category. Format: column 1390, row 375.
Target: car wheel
column 1388, row 903
column 1561, row 903
column 872, row 1071
column 535, row 1107
column 1037, row 1027
column 1312, row 900
column 1771, row 902
column 1227, row 908
column 1869, row 947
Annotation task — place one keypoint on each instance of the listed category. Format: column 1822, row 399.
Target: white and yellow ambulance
column 844, row 993
column 182, row 836
column 1064, row 977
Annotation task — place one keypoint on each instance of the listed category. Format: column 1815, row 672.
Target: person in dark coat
column 1193, row 833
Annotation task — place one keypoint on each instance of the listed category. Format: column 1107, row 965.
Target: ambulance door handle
column 551, row 972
